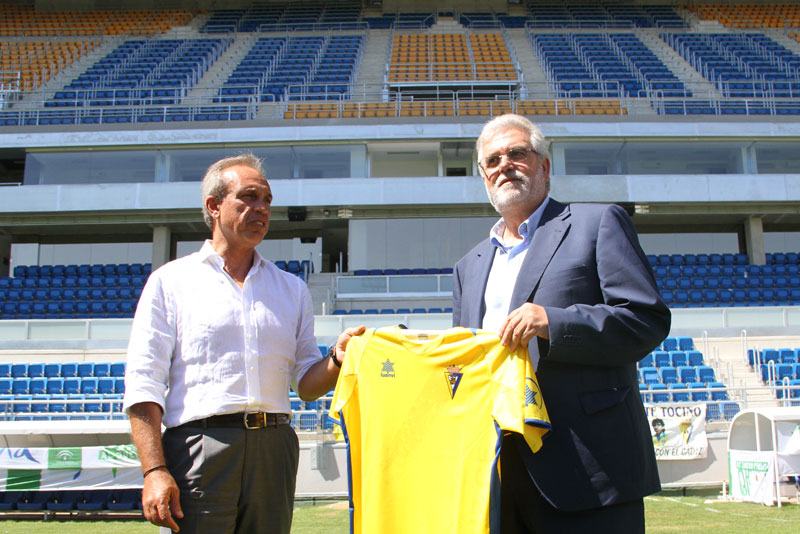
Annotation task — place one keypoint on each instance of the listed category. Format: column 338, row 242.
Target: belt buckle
column 260, row 420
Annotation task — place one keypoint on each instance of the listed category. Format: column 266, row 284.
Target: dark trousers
column 523, row 509
column 232, row 480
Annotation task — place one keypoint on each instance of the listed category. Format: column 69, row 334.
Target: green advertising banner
column 60, row 468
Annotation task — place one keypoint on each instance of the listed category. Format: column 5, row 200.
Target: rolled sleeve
column 150, row 348
column 307, row 353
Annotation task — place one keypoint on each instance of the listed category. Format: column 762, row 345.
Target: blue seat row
column 69, row 281
column 86, row 270
column 672, row 358
column 784, row 355
column 677, row 343
column 391, row 311
column 58, row 385
column 68, row 500
column 403, row 271
column 680, row 392
column 68, row 309
column 63, row 370
column 729, row 282
column 779, row 371
column 705, row 298
column 42, row 403
column 672, row 375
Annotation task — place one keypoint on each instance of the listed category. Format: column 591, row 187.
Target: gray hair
column 517, row 122
column 215, row 185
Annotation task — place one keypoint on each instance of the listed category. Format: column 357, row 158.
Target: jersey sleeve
column 348, row 376
column 519, row 406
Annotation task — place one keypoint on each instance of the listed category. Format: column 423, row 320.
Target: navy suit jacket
column 586, row 268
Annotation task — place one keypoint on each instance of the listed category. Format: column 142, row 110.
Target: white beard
column 517, row 193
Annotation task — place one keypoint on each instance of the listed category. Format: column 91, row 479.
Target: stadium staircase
column 322, row 287
column 532, row 70
column 215, row 77
column 675, row 63
column 373, row 63
column 730, row 366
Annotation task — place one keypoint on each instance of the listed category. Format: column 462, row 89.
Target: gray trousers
column 232, row 480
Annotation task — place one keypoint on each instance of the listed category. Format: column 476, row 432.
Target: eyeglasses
column 515, row 154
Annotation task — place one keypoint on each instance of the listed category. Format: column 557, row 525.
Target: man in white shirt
column 218, row 338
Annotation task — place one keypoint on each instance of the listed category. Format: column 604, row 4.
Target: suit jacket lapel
column 548, row 236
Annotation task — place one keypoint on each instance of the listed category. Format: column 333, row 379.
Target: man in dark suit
column 571, row 282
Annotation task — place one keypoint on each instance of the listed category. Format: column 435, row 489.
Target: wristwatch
column 332, row 356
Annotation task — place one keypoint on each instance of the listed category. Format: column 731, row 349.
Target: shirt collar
column 526, row 229
column 208, row 254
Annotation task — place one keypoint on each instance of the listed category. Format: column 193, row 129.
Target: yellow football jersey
column 423, row 415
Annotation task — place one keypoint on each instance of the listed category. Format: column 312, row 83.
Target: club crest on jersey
column 531, row 390
column 453, row 376
column 387, row 371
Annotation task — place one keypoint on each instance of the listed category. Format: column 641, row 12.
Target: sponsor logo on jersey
column 453, row 376
column 387, row 371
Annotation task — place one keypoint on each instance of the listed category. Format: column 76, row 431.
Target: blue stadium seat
column 105, row 385
column 38, row 385
column 62, row 501
column 124, row 499
column 19, row 370
column 687, row 374
column 669, row 344
column 678, row 358
column 72, row 385
column 698, row 396
column 102, row 369
column 54, row 385
column 35, row 370
column 705, row 374
column 694, row 357
column 678, row 392
column 669, row 375
column 661, row 358
column 69, row 369
column 20, row 386
column 650, row 375
column 658, row 393
column 93, row 500
column 89, row 385
column 85, row 369
column 58, row 406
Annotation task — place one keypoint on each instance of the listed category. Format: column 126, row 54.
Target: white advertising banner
column 60, row 468
column 752, row 476
column 678, row 430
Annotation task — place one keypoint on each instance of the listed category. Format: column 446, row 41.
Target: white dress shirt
column 506, row 265
column 200, row 345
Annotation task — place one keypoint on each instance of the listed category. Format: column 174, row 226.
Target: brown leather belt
column 246, row 420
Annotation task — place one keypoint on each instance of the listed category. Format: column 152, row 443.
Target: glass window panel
column 372, row 284
column 778, row 158
column 102, row 167
column 446, row 283
column 413, row 284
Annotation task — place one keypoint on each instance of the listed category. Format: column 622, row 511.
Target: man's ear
column 212, row 205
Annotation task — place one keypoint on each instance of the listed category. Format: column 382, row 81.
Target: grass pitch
column 666, row 513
